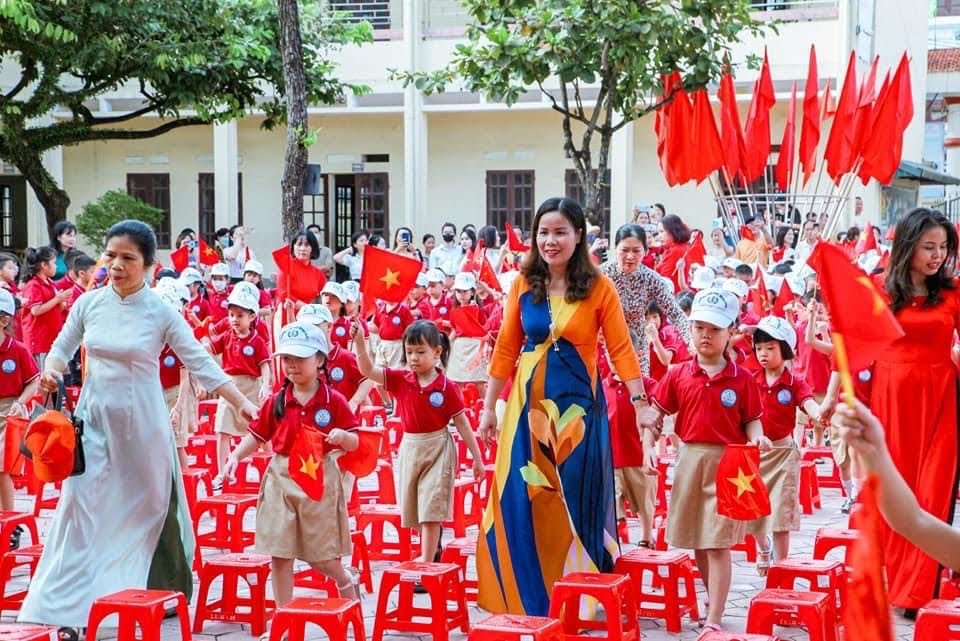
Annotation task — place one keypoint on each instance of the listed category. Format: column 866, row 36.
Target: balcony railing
column 791, row 5
column 385, row 16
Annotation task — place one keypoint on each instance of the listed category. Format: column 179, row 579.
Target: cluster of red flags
column 741, row 493
column 206, row 255
column 866, row 135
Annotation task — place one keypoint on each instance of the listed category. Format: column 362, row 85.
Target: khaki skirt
column 291, row 525
column 780, row 471
column 639, row 489
column 466, row 364
column 428, row 466
column 5, row 405
column 227, row 419
column 389, row 354
column 692, row 520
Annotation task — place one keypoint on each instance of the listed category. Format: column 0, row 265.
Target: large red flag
column 488, row 277
column 884, row 147
column 741, row 493
column 784, row 169
column 679, row 151
column 868, row 241
column 696, row 254
column 707, row 157
column 784, row 298
column 731, row 133
column 206, row 255
column 387, row 276
column 858, row 312
column 810, row 129
column 756, row 133
column 661, row 125
column 305, row 464
column 839, row 153
column 180, row 258
column 514, row 243
column 865, row 108
column 866, row 615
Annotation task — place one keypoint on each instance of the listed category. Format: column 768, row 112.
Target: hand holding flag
column 741, row 493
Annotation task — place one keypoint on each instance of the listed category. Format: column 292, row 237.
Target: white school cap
column 335, row 290
column 778, row 328
column 712, row 262
column 736, row 286
column 351, row 290
column 189, row 276
column 314, row 314
column 435, row 276
column 703, row 278
column 7, row 305
column 422, row 280
column 464, row 281
column 254, row 266
column 715, row 306
column 301, row 340
column 220, row 269
column 245, row 299
column 168, row 296
column 731, row 262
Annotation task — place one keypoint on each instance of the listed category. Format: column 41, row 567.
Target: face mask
column 219, row 285
column 448, row 238
column 225, row 241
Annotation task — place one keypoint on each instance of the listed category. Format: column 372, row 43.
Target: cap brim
column 313, row 320
column 715, row 319
column 300, row 351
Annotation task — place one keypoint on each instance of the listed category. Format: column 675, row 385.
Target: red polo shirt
column 440, row 309
column 626, row 441
column 862, row 381
column 672, row 343
column 17, row 367
column 340, row 332
column 241, row 356
column 423, row 409
column 780, row 402
column 709, row 410
column 169, row 368
column 326, row 410
column 217, row 303
column 345, row 376
column 40, row 331
column 422, row 306
column 392, row 323
column 199, row 306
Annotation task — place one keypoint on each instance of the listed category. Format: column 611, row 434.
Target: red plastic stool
column 512, row 627
column 334, row 616
column 203, row 449
column 671, row 569
column 829, row 539
column 386, row 490
column 615, row 593
column 489, row 469
column 28, row 556
column 809, row 487
column 313, row 580
column 372, row 415
column 206, row 412
column 458, row 551
column 27, row 632
column 442, row 583
column 144, row 607
column 466, row 506
column 49, row 503
column 378, row 548
column 9, row 521
column 938, row 620
column 950, row 586
column 258, row 461
column 811, row 610
column 361, row 560
column 193, row 477
column 735, row 636
column 747, row 546
column 394, row 433
column 253, row 569
column 829, row 577
column 228, row 511
column 831, row 480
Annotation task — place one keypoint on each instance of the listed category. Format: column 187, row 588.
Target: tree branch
column 123, row 117
column 68, row 128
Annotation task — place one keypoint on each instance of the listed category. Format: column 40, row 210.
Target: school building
column 396, row 157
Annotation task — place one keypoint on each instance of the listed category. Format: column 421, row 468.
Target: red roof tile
column 943, row 60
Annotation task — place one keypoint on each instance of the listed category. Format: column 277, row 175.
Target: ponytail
column 34, row 257
column 279, row 405
column 444, row 349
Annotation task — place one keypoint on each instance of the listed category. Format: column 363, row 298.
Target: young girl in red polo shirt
column 468, row 358
column 781, row 394
column 717, row 403
column 290, row 524
column 43, row 317
column 417, row 299
column 341, row 371
column 333, row 298
column 437, row 299
column 814, row 356
column 19, row 381
column 426, row 402
column 247, row 361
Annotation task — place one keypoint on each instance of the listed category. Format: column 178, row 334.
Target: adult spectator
column 102, row 540
column 756, row 250
column 428, row 242
column 448, row 255
column 491, row 246
column 718, row 247
column 222, row 241
column 468, row 240
column 675, row 236
column 785, row 246
column 352, row 256
column 63, row 238
column 657, row 212
column 299, row 281
column 403, row 244
column 238, row 253
column 324, row 260
column 809, row 236
column 378, row 241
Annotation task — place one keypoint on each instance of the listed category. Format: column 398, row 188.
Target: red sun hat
column 52, row 441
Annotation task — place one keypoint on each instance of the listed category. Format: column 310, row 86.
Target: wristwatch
column 638, row 397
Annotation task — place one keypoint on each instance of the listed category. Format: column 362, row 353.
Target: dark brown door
column 13, row 213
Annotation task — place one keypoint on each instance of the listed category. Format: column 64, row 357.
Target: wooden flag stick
column 843, row 368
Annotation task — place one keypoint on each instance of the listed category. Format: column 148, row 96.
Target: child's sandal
column 646, row 544
column 764, row 557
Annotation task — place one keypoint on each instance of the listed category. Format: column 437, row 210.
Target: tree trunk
column 53, row 199
column 295, row 90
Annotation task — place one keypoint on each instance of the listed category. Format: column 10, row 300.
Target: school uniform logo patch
column 436, row 399
column 443, row 311
column 784, row 397
column 341, row 331
column 248, row 350
column 196, row 309
column 336, row 374
column 169, row 361
column 865, row 375
column 395, row 320
column 9, row 366
column 728, row 397
column 322, row 418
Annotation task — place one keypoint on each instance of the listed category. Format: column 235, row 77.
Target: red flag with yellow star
column 387, row 276
column 866, row 616
column 306, row 461
column 741, row 493
column 206, row 255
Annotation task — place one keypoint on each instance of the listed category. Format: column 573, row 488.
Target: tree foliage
column 609, row 52
column 187, row 61
column 110, row 208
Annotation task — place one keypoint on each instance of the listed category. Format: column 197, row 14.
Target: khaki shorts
column 291, row 525
column 841, row 453
column 428, row 466
column 780, row 471
column 227, row 419
column 639, row 489
column 5, row 404
column 389, row 354
column 692, row 521
column 466, row 363
column 180, row 434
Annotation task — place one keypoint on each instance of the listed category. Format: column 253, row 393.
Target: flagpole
column 724, row 214
column 843, row 368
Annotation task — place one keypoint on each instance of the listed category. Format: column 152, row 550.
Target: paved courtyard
column 746, row 583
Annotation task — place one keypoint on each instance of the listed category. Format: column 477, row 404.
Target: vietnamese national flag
column 741, row 494
column 784, row 169
column 840, row 153
column 13, row 459
column 759, row 295
column 810, row 128
column 297, row 280
column 707, row 156
column 474, row 259
column 858, row 312
column 866, row 614
column 731, row 133
column 756, row 132
column 784, row 298
column 868, row 241
column 679, row 150
column 696, row 254
column 305, row 462
column 180, row 259
column 206, row 255
column 363, row 460
column 488, row 277
column 466, row 321
column 661, row 124
column 883, row 149
column 514, row 243
column 387, row 276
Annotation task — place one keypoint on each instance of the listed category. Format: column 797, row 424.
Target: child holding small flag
column 717, row 403
column 301, row 510
column 467, row 361
column 426, row 401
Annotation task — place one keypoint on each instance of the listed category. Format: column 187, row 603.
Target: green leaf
column 532, row 475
